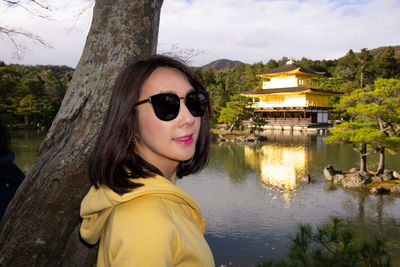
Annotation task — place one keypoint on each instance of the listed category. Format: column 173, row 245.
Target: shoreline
column 381, row 184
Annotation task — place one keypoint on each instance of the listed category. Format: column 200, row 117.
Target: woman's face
column 165, row 143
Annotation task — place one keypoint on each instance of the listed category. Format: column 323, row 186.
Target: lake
column 253, row 200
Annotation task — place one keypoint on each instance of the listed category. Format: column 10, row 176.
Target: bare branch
column 18, row 3
column 12, row 33
column 363, row 154
column 183, row 54
column 83, row 10
column 39, row 4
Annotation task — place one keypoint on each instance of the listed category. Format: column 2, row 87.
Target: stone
column 262, row 138
column 329, row 173
column 353, row 180
column 339, row 178
column 377, row 179
column 368, row 178
column 396, row 175
column 379, row 190
column 374, row 190
column 256, row 138
column 353, row 170
column 387, row 175
column 395, row 190
column 306, row 179
column 241, row 139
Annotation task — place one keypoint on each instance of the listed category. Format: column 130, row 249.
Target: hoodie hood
column 7, row 159
column 99, row 203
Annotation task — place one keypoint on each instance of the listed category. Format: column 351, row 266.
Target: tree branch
column 83, row 10
column 18, row 3
column 11, row 33
column 183, row 54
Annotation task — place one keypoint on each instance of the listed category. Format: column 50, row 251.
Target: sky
column 246, row 30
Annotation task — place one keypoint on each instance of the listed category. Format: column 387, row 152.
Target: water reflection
column 231, row 158
column 279, row 166
column 281, row 162
column 25, row 145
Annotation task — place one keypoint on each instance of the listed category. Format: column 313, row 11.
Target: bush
column 332, row 244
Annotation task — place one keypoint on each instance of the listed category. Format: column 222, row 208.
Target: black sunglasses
column 166, row 105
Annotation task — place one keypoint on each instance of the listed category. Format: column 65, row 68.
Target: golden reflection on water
column 280, row 166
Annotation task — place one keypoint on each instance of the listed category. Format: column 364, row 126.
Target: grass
column 386, row 185
column 234, row 132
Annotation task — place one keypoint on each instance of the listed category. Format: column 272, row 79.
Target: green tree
column 28, row 107
column 335, row 84
column 347, row 66
column 388, row 64
column 236, row 110
column 271, row 64
column 10, row 85
column 333, row 244
column 366, row 68
column 359, row 135
column 256, row 124
column 252, row 81
column 208, row 77
column 219, row 97
column 22, row 87
column 375, row 119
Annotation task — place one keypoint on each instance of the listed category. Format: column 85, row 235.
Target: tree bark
column 231, row 127
column 363, row 158
column 40, row 226
column 381, row 165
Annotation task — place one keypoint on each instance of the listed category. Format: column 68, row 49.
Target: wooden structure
column 290, row 96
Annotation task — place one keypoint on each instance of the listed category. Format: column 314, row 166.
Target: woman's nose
column 185, row 117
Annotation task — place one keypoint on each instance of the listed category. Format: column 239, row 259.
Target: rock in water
column 353, row 180
column 306, row 179
column 395, row 190
column 353, row 170
column 387, row 175
column 330, row 173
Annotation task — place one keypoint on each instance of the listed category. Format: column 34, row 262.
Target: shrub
column 332, row 244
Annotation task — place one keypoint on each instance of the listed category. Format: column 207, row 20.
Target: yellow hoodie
column 158, row 224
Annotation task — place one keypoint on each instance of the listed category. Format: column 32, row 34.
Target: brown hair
column 114, row 148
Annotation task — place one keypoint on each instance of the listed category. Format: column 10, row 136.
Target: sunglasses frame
column 180, row 98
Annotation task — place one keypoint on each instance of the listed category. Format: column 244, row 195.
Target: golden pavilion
column 291, row 97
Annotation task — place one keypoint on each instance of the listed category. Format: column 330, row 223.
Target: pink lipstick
column 184, row 140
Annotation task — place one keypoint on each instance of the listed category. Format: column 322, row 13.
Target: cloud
column 64, row 28
column 252, row 31
column 245, row 30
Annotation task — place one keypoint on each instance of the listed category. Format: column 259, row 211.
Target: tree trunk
column 363, row 158
column 231, row 128
column 381, row 165
column 40, row 226
column 362, row 77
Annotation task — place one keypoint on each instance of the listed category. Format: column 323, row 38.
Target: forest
column 32, row 95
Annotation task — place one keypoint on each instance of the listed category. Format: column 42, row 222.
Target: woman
column 156, row 129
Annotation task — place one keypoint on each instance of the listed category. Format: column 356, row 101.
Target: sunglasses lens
column 166, row 106
column 196, row 102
